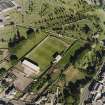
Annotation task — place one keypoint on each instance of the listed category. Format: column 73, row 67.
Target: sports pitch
column 43, row 53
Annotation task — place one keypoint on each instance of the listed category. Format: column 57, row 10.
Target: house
column 97, row 96
column 57, row 59
column 96, row 2
column 9, row 89
column 95, row 36
column 91, row 86
column 95, row 87
column 23, row 73
column 30, row 67
column 6, row 5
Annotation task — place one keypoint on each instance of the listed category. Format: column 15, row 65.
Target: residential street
column 85, row 92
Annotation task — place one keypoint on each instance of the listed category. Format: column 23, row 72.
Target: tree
column 16, row 39
column 18, row 35
column 2, row 71
column 13, row 57
column 62, row 77
column 86, row 29
column 30, row 31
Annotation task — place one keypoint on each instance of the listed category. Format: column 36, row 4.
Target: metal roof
column 31, row 65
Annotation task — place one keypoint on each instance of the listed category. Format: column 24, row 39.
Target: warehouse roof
column 30, row 65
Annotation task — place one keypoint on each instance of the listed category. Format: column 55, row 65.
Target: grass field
column 26, row 45
column 42, row 54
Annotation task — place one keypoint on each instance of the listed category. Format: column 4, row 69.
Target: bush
column 30, row 31
column 13, row 57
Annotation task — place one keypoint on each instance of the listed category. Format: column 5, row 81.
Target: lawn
column 42, row 54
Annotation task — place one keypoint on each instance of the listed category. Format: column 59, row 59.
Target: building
column 57, row 57
column 95, row 86
column 21, row 82
column 17, row 102
column 96, row 2
column 30, row 67
column 6, row 5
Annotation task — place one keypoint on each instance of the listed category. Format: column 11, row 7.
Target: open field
column 73, row 74
column 43, row 53
column 26, row 45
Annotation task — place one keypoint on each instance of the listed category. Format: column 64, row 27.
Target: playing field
column 42, row 54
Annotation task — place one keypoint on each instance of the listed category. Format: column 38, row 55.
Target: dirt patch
column 73, row 74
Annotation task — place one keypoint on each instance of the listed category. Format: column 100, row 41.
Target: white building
column 96, row 2
column 29, row 68
column 57, row 58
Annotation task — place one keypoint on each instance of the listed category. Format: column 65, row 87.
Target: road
column 84, row 95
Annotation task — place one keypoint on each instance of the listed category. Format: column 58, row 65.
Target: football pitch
column 43, row 53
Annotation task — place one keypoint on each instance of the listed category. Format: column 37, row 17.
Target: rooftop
column 31, row 65
column 21, row 82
